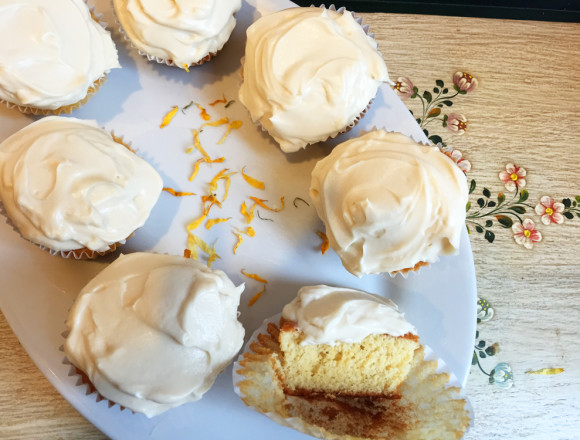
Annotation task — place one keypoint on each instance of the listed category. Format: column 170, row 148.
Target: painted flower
column 456, row 123
column 525, row 233
column 502, row 375
column 549, row 211
column 464, row 82
column 404, row 87
column 455, row 156
column 513, row 177
column 484, row 310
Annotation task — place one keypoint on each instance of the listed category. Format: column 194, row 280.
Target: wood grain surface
column 525, row 110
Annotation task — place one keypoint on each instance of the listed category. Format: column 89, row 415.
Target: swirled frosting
column 183, row 31
column 308, row 74
column 66, row 184
column 153, row 331
column 52, row 52
column 330, row 315
column 389, row 203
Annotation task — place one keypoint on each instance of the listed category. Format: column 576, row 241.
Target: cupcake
column 309, row 74
column 345, row 364
column 54, row 57
column 73, row 188
column 178, row 33
column 152, row 332
column 389, row 204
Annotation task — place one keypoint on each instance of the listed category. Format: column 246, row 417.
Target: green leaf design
column 481, row 202
column 467, row 206
column 435, row 139
column 476, row 334
column 489, row 236
column 577, row 199
column 523, row 196
column 578, row 214
column 415, row 89
column 439, row 83
column 567, row 202
column 505, row 221
column 463, row 92
column 474, row 358
column 500, row 198
column 486, row 193
column 490, row 351
column 518, row 209
column 448, row 103
column 472, row 186
column 434, row 112
column 468, row 230
column 427, row 96
column 418, row 120
column 479, row 229
column 435, row 90
column 445, row 118
column 426, row 132
column 568, row 215
column 482, row 354
column 456, row 87
column 488, row 223
column 481, row 344
column 491, row 204
column 445, row 91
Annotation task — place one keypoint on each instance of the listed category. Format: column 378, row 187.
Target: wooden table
column 525, row 110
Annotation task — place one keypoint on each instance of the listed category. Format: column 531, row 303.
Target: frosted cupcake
column 152, row 332
column 54, row 55
column 181, row 33
column 309, row 74
column 389, row 204
column 74, row 189
column 345, row 364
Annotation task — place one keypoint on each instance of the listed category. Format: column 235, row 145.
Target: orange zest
column 177, row 193
column 234, row 125
column 262, row 202
column 214, row 221
column 217, row 101
column 254, row 277
column 325, row 245
column 204, row 115
column 168, row 117
column 253, row 182
column 257, row 296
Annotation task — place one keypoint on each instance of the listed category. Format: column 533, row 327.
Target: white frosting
column 153, row 331
column 184, row 31
column 52, row 52
column 66, row 184
column 329, row 315
column 389, row 203
column 308, row 74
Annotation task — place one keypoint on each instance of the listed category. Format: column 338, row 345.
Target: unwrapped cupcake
column 74, row 189
column 178, row 33
column 389, row 204
column 54, row 55
column 152, row 332
column 345, row 364
column 309, row 74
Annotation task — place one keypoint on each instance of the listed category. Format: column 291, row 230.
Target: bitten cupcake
column 345, row 364
column 388, row 203
column 73, row 188
column 54, row 55
column 180, row 33
column 152, row 332
column 309, row 74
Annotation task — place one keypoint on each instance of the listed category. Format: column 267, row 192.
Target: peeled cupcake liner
column 81, row 253
column 154, row 58
column 69, row 108
column 255, row 365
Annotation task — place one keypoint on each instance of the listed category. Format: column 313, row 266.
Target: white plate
column 38, row 289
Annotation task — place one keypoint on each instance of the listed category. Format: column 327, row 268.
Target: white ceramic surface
column 37, row 289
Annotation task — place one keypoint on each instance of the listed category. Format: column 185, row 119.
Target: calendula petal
column 177, row 193
column 204, row 115
column 248, row 214
column 325, row 245
column 217, row 123
column 262, row 202
column 168, row 117
column 254, row 277
column 195, row 224
column 239, row 242
column 217, row 101
column 253, row 182
column 234, row 125
column 256, row 297
column 214, row 221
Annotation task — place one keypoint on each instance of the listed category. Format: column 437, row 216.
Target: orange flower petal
column 177, row 193
column 217, row 123
column 185, row 67
column 248, row 214
column 325, row 245
column 168, row 117
column 203, row 113
column 254, row 277
column 197, row 145
column 256, row 297
column 261, row 202
column 214, row 221
column 187, row 253
column 196, row 168
column 234, row 125
column 254, row 182
column 195, row 224
column 217, row 101
column 250, row 231
column 239, row 242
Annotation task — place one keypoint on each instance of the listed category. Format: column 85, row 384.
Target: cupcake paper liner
column 431, row 405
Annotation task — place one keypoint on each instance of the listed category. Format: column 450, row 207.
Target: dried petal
column 187, row 253
column 203, row 113
column 177, row 193
column 209, row 199
column 254, row 277
column 217, row 101
column 168, row 117
column 214, row 221
column 254, row 182
column 250, row 231
column 234, row 125
column 239, row 242
column 197, row 145
column 185, row 67
column 261, row 202
column 325, row 245
column 248, row 214
column 195, row 224
column 217, row 123
column 257, row 296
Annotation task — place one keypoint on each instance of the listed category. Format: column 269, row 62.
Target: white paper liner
column 299, row 424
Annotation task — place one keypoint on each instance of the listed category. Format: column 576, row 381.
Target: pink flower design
column 525, row 233
column 513, row 177
column 464, row 82
column 404, row 87
column 456, row 156
column 456, row 123
column 549, row 211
